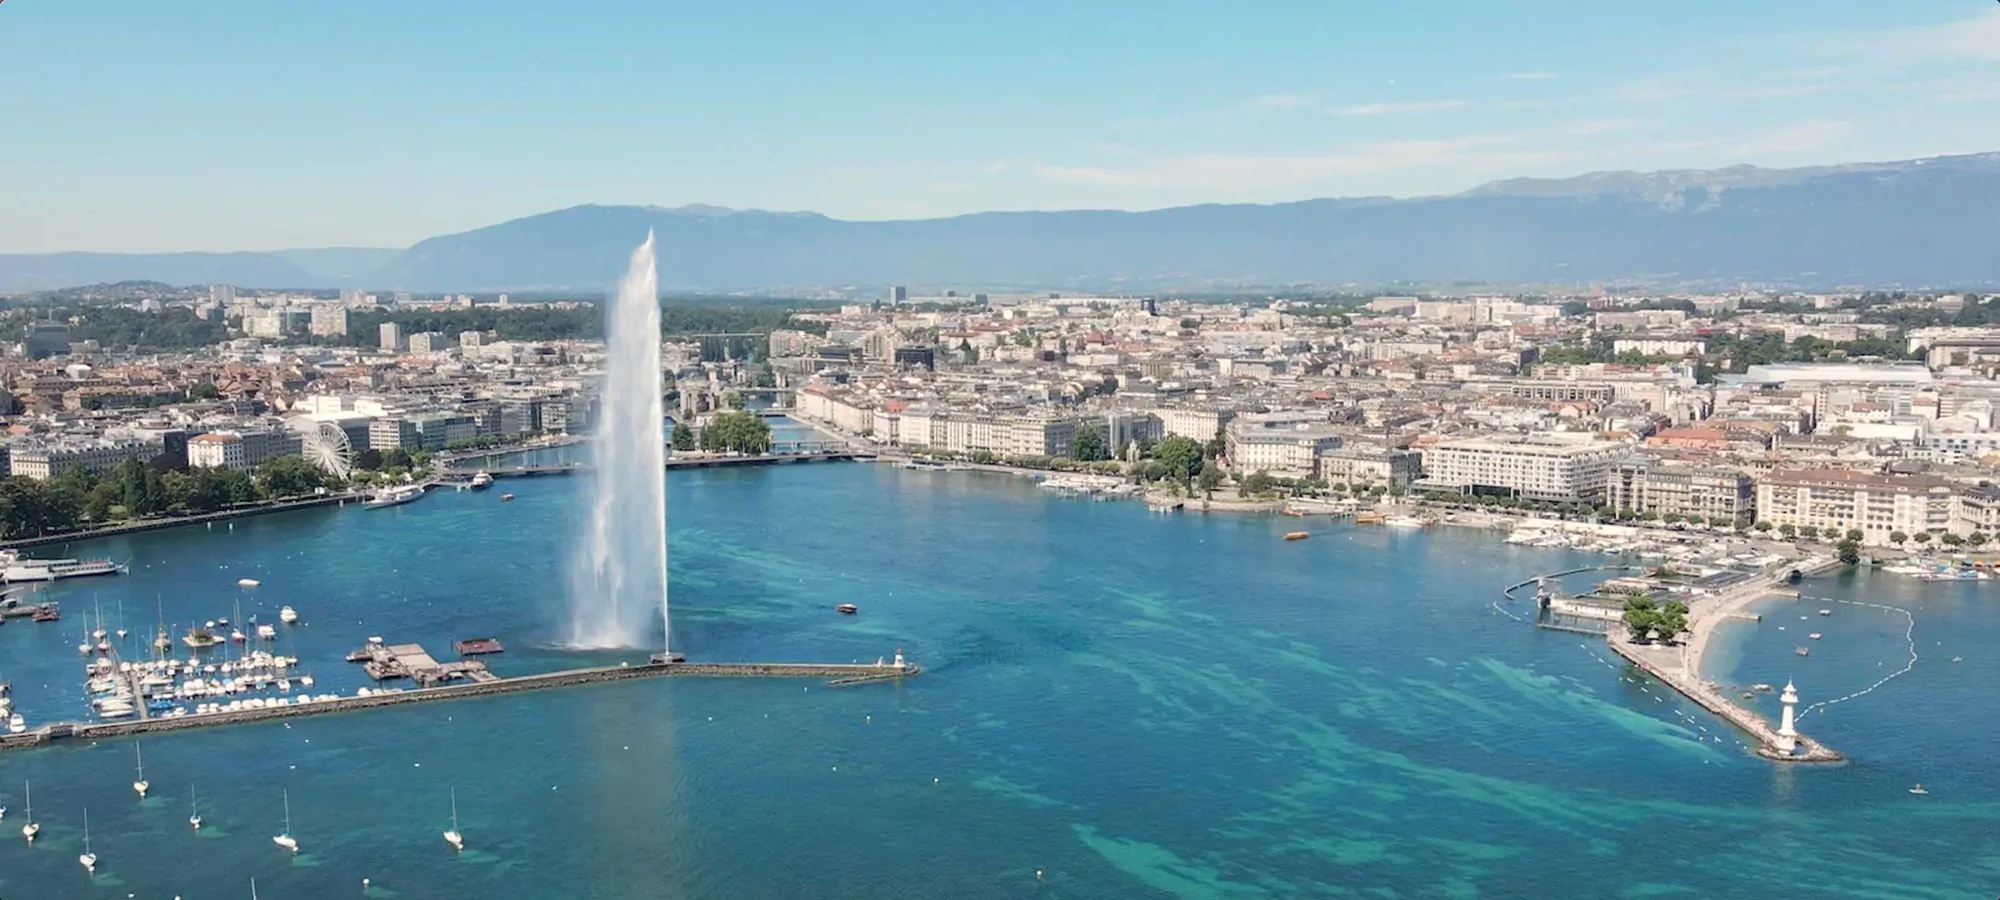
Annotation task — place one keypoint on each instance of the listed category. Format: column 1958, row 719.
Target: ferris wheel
column 328, row 448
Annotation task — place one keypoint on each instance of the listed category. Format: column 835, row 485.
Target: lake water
column 1116, row 704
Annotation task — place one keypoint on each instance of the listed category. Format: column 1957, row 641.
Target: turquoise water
column 1133, row 704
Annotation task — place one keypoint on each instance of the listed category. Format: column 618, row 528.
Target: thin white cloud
column 1530, row 76
column 1799, row 137
column 1280, row 101
column 1976, row 38
column 1391, row 109
column 1598, row 126
column 1243, row 174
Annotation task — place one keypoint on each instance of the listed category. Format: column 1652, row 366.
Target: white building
column 216, row 450
column 1559, row 467
column 1283, row 452
column 44, row 462
column 429, row 342
column 329, row 320
column 392, row 336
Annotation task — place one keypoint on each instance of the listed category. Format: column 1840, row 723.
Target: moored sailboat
column 284, row 838
column 452, row 835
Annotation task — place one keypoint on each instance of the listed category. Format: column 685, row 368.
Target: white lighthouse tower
column 1788, row 736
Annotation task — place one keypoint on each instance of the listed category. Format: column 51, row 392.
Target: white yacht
column 394, row 496
column 288, row 615
column 15, row 567
column 266, row 633
column 481, row 481
column 16, row 724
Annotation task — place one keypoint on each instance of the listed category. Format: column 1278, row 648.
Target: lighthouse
column 1788, row 736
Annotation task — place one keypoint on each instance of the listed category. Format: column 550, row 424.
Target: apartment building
column 1651, row 486
column 243, row 449
column 1844, row 500
column 1557, row 467
column 46, row 461
column 1371, row 465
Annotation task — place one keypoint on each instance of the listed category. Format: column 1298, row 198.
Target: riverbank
column 144, row 525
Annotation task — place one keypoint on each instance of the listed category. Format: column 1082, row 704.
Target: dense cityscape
column 1814, row 416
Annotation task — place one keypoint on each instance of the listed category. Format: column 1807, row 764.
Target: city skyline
column 240, row 127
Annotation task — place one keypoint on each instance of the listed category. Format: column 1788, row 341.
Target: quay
column 838, row 674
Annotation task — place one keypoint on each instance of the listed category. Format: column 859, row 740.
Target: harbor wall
column 1809, row 749
column 567, row 678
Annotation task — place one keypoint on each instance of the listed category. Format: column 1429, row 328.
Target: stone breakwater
column 1810, row 751
column 839, row 673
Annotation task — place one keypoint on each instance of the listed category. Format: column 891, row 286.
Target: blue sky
column 142, row 125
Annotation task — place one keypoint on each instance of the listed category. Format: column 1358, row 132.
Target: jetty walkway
column 837, row 675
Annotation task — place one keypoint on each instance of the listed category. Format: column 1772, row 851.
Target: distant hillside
column 1929, row 222
column 1922, row 222
column 48, row 271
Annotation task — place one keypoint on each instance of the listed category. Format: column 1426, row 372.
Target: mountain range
column 1924, row 222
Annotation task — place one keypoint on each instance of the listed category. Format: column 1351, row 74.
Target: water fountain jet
column 618, row 569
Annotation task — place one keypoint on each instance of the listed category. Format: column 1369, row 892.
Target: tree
column 1788, row 530
column 1181, row 456
column 289, row 476
column 1976, row 538
column 1088, row 447
column 1922, row 537
column 1809, row 532
column 1217, row 446
column 1897, row 537
column 740, row 432
column 683, row 436
column 1762, row 526
column 1951, row 540
column 1849, row 552
column 398, row 458
column 1673, row 619
column 1854, row 536
column 1642, row 615
column 1258, row 483
column 1208, row 480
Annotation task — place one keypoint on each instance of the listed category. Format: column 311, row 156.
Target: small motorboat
column 1826, row 612
column 847, row 609
column 266, row 633
column 1919, row 790
column 288, row 615
column 506, row 497
column 1802, row 651
column 247, row 583
column 1815, row 635
column 1297, row 535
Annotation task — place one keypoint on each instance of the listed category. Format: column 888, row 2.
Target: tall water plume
column 618, row 570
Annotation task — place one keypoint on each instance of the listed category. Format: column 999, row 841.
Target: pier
column 1679, row 667
column 837, row 674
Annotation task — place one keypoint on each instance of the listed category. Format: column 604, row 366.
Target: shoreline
column 164, row 523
